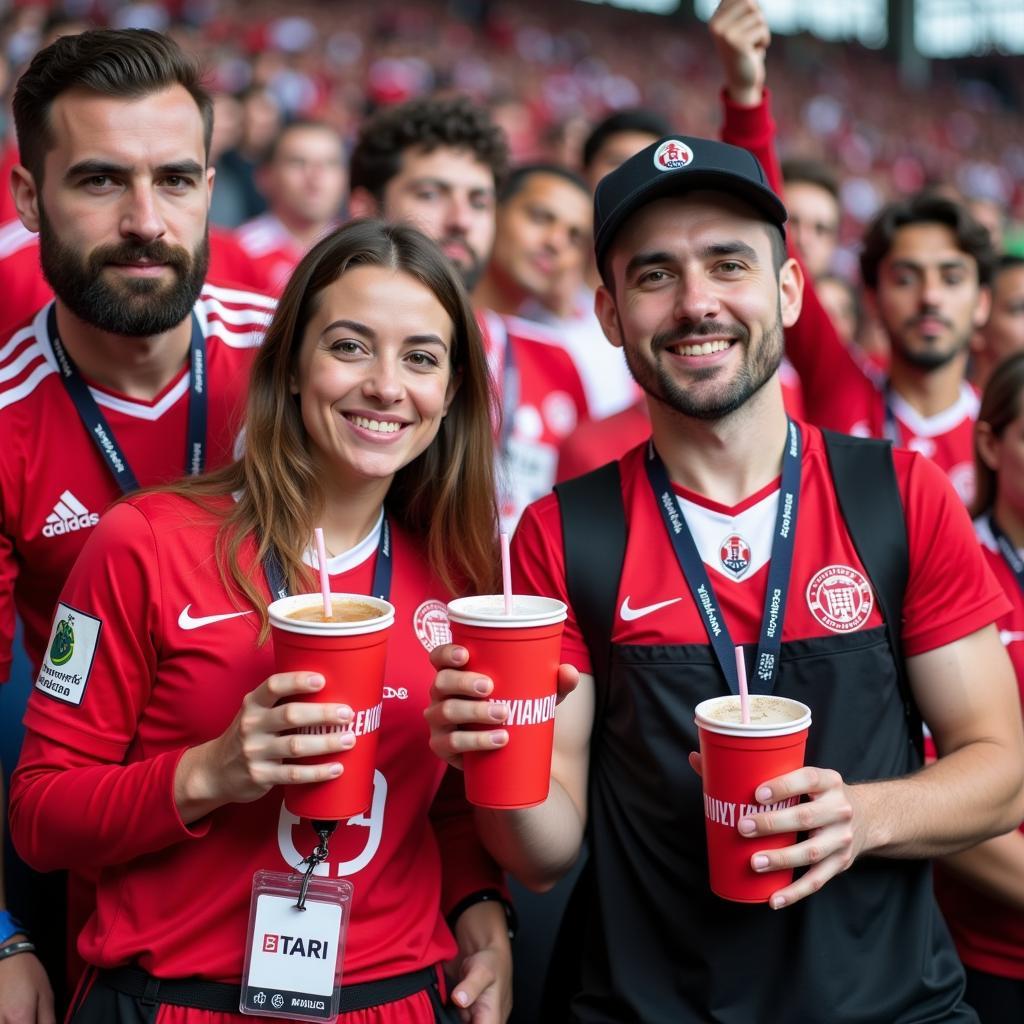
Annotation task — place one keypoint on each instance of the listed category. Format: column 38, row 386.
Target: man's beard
column 929, row 359
column 135, row 308
column 470, row 267
column 758, row 368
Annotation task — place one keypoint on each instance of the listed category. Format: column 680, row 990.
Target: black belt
column 223, row 998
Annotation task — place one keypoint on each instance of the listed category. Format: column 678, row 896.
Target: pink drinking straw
column 506, row 573
column 321, row 561
column 741, row 671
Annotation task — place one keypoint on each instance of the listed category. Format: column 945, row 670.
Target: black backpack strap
column 594, row 542
column 869, row 498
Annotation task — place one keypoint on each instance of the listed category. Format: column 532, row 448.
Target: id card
column 293, row 957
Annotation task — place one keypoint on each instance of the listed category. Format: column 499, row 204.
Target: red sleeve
column 835, row 388
column 82, row 794
column 951, row 591
column 538, row 567
column 466, row 867
column 8, row 574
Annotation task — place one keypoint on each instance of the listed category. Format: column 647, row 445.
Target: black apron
column 655, row 944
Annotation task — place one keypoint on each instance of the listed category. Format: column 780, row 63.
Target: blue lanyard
column 890, row 428
column 95, row 422
column 692, row 566
column 1007, row 550
column 381, row 586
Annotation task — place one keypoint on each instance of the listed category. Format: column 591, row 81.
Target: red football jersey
column 271, row 249
column 989, row 935
column 549, row 404
column 160, row 661
column 829, row 589
column 53, row 482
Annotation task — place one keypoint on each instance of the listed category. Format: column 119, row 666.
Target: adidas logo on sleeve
column 68, row 515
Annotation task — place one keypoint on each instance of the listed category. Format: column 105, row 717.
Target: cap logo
column 672, row 155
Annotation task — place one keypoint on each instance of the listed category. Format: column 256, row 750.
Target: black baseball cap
column 671, row 166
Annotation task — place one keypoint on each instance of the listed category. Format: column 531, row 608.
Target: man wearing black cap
column 850, row 577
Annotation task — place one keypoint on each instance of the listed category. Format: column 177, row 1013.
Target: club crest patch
column 840, row 598
column 672, row 155
column 734, row 553
column 431, row 624
column 65, row 670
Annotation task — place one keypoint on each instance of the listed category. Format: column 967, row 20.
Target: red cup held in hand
column 736, row 758
column 520, row 653
column 349, row 652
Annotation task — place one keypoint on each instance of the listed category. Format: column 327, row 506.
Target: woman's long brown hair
column 1000, row 405
column 444, row 497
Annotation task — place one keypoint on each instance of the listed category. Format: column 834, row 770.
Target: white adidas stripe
column 15, row 340
column 215, row 292
column 15, row 366
column 74, row 504
column 27, row 386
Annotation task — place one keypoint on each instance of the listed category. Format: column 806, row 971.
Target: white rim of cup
column 753, row 729
column 279, row 609
column 489, row 610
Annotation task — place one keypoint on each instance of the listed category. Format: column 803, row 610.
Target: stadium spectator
column 438, row 164
column 693, row 257
column 162, row 765
column 1003, row 333
column 812, row 198
column 136, row 373
column 981, row 890
column 304, row 182
column 543, row 241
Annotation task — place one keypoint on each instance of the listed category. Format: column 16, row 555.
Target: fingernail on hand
column 778, row 902
column 482, row 686
column 461, row 998
column 335, row 770
column 315, row 682
column 498, row 712
column 747, row 826
column 760, row 862
column 344, row 713
column 763, row 795
column 499, row 738
column 459, row 654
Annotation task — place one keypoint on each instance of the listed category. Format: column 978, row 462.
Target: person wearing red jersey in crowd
column 161, row 764
column 1003, row 333
column 741, row 36
column 304, row 180
column 981, row 891
column 135, row 373
column 753, row 525
column 438, row 164
column 542, row 240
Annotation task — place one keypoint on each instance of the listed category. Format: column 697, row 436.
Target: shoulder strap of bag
column 864, row 478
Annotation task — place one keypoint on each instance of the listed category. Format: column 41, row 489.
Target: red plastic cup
column 350, row 656
column 736, row 759
column 520, row 653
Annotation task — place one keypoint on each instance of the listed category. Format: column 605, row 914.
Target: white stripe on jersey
column 16, row 340
column 964, row 408
column 236, row 339
column 237, row 296
column 14, row 237
column 137, row 409
column 15, row 366
column 74, row 504
column 27, row 386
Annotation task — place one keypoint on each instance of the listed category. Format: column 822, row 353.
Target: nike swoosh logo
column 629, row 614
column 185, row 620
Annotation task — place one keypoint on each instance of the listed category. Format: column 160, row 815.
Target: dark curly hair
column 426, row 124
column 925, row 208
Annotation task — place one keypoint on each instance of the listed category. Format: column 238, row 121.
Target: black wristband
column 14, row 948
column 483, row 896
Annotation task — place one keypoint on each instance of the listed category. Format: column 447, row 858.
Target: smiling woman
column 368, row 414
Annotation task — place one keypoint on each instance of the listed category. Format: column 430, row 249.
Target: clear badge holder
column 296, row 943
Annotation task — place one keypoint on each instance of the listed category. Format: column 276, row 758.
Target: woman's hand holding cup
column 249, row 758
